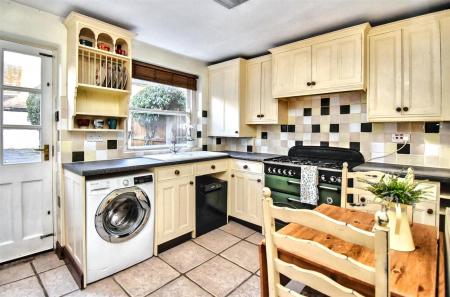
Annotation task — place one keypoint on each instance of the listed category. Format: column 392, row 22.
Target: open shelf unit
column 99, row 72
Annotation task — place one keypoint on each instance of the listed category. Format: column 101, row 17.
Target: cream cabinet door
column 253, row 100
column 445, row 64
column 238, row 203
column 421, row 70
column 217, row 101
column 291, row 71
column 385, row 75
column 231, row 110
column 324, row 65
column 175, row 208
column 269, row 104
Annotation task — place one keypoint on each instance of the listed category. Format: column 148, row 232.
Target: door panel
column 421, row 58
column 25, row 176
column 253, row 100
column 216, row 110
column 324, row 64
column 349, row 59
column 253, row 192
column 269, row 105
column 231, row 96
column 385, row 75
column 302, row 68
column 238, row 204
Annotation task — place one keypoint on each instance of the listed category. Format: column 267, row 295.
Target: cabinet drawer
column 248, row 166
column 171, row 172
column 425, row 213
column 209, row 167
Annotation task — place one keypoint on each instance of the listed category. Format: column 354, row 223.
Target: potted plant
column 398, row 196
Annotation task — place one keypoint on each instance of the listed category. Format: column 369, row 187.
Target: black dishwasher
column 211, row 203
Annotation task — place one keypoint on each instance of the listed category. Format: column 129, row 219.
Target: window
column 21, row 94
column 160, row 115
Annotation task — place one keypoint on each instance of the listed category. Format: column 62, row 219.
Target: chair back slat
column 321, row 255
column 320, row 222
column 285, row 292
column 314, row 279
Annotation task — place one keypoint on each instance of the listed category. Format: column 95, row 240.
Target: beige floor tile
column 13, row 272
column 28, row 287
column 102, row 288
column 258, row 272
column 237, row 229
column 248, row 289
column 146, row 277
column 244, row 254
column 180, row 287
column 186, row 256
column 46, row 262
column 58, row 281
column 255, row 238
column 216, row 240
column 218, row 276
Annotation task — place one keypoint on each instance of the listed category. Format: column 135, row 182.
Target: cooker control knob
column 333, row 178
column 285, row 172
column 339, row 180
column 279, row 171
column 126, row 182
column 323, row 178
column 290, row 173
column 269, row 169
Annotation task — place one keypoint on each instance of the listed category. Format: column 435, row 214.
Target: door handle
column 294, row 200
column 293, row 182
column 329, row 188
column 45, row 150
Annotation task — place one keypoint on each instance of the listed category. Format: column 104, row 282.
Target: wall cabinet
column 332, row 62
column 445, row 66
column 227, row 100
column 405, row 71
column 245, row 189
column 261, row 107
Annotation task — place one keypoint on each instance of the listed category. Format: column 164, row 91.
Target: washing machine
column 119, row 223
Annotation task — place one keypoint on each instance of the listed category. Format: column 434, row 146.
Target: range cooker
column 282, row 174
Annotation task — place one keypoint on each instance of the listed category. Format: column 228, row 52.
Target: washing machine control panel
column 100, row 185
column 143, row 179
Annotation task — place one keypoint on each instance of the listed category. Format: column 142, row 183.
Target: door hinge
column 46, row 235
column 53, row 150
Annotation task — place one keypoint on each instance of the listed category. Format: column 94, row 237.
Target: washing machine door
column 122, row 214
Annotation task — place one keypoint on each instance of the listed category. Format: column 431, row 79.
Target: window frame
column 189, row 113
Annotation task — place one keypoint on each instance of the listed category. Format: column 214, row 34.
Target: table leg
column 263, row 280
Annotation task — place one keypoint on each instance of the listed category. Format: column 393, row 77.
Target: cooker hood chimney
column 230, row 3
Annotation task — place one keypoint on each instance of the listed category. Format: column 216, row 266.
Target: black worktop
column 258, row 157
column 95, row 168
column 435, row 174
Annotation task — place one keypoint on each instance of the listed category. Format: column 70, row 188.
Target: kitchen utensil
column 85, row 42
column 83, row 123
column 112, row 123
column 99, row 123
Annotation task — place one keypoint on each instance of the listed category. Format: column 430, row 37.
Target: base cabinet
column 245, row 196
column 175, row 205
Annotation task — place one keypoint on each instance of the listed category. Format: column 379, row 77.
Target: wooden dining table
column 412, row 273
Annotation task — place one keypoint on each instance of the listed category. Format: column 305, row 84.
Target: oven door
column 283, row 184
column 329, row 194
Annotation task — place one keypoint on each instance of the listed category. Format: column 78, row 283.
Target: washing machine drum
column 122, row 214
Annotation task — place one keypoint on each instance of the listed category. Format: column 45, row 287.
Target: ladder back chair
column 314, row 251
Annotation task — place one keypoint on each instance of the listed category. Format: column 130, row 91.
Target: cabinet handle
column 405, row 108
column 232, row 175
column 191, row 183
column 308, row 84
column 398, row 109
column 213, row 166
column 258, row 180
column 177, row 172
column 245, row 167
column 258, row 116
column 313, row 83
column 236, row 132
column 262, row 115
column 430, row 211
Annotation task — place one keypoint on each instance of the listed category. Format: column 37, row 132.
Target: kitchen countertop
column 94, row 168
column 435, row 174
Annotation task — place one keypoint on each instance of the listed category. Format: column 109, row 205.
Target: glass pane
column 21, row 70
column 150, row 95
column 156, row 129
column 18, row 145
column 21, row 108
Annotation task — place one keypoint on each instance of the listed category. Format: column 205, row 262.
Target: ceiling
column 207, row 31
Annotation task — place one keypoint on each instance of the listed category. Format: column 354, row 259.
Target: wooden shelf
column 97, row 114
column 96, row 130
column 103, row 52
column 102, row 89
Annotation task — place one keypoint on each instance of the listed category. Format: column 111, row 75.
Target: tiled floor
column 223, row 262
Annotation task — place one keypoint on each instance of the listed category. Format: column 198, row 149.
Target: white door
column 26, row 221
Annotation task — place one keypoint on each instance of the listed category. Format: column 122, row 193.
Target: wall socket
column 94, row 137
column 401, row 137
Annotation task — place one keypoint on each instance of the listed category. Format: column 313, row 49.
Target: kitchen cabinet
column 245, row 194
column 445, row 66
column 261, row 107
column 175, row 208
column 332, row 62
column 405, row 71
column 227, row 100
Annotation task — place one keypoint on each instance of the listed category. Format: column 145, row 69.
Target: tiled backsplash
column 340, row 120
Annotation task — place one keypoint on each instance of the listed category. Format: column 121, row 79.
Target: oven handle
column 329, row 188
column 294, row 200
column 293, row 182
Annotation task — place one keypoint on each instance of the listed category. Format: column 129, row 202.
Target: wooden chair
column 378, row 241
column 363, row 200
